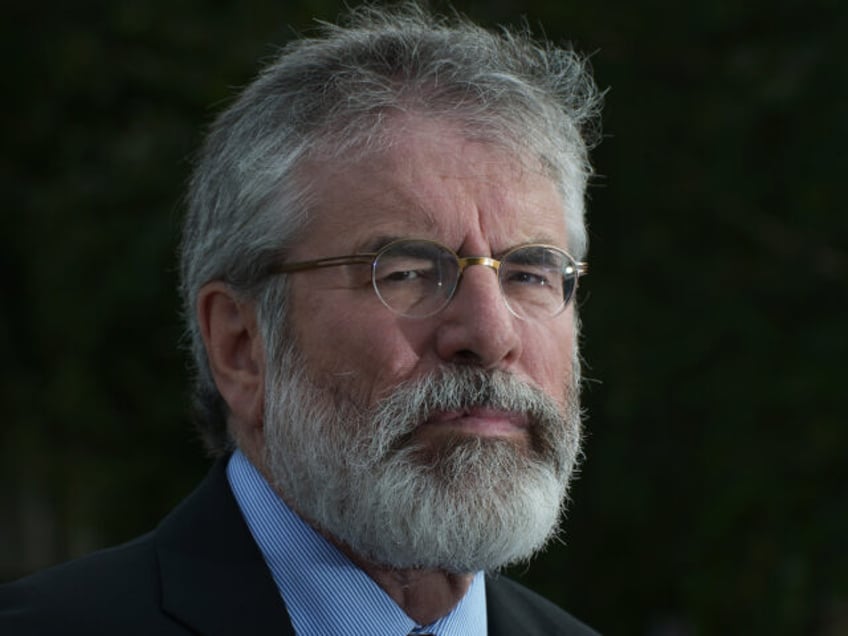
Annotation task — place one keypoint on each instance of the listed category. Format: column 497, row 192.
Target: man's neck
column 424, row 595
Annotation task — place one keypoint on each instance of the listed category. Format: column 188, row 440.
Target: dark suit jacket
column 200, row 572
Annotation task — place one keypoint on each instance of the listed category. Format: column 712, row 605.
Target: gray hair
column 330, row 97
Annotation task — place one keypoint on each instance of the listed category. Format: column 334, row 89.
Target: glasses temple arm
column 299, row 266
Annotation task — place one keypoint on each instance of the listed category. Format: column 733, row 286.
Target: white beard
column 461, row 503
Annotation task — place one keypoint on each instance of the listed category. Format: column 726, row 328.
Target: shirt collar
column 324, row 592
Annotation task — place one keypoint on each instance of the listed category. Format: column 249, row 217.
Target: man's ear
column 236, row 356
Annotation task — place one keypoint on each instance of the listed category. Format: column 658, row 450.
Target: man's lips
column 485, row 422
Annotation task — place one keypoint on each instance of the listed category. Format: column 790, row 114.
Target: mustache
column 408, row 405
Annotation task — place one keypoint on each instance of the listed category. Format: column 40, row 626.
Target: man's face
column 444, row 441
column 475, row 199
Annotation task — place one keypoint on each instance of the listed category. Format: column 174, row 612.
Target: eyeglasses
column 417, row 278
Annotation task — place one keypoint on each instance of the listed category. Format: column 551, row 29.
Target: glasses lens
column 415, row 278
column 537, row 281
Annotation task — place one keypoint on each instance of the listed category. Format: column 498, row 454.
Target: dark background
column 715, row 494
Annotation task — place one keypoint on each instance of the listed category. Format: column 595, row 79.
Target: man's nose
column 477, row 327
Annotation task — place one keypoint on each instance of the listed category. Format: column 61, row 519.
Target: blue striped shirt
column 324, row 592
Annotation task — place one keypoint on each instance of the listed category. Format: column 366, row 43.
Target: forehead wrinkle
column 372, row 213
column 506, row 217
column 405, row 214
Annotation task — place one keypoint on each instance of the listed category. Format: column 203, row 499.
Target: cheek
column 549, row 357
column 364, row 352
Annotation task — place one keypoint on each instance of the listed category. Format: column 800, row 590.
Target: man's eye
column 530, row 277
column 407, row 270
column 403, row 275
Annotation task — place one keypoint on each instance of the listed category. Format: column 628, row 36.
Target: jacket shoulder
column 198, row 571
column 92, row 595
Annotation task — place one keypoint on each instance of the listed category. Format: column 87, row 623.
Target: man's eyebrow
column 426, row 226
column 375, row 243
column 543, row 240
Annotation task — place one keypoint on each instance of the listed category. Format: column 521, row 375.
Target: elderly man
column 379, row 265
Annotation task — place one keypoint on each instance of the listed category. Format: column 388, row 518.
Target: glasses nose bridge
column 486, row 261
column 467, row 261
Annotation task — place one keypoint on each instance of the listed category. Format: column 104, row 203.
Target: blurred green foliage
column 713, row 497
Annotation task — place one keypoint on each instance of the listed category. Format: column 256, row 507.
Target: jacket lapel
column 213, row 576
column 513, row 609
column 501, row 618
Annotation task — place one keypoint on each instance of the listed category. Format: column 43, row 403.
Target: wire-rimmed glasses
column 418, row 277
